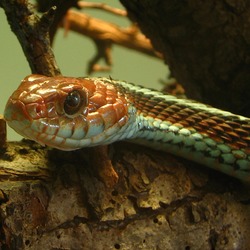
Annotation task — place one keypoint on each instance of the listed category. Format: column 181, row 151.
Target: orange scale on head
column 92, row 108
column 110, row 99
column 108, row 114
column 98, row 100
column 95, row 119
column 120, row 109
column 101, row 88
column 89, row 85
column 50, row 106
column 111, row 91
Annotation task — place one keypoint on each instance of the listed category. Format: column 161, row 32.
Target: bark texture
column 56, row 200
column 205, row 43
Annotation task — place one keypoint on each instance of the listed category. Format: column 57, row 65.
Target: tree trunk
column 205, row 43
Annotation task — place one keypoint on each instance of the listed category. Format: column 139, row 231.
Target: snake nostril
column 35, row 110
column 38, row 109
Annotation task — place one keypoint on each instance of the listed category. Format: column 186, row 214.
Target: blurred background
column 72, row 54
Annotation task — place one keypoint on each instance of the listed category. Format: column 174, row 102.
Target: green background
column 72, row 54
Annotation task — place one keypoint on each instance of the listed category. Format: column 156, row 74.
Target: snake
column 70, row 113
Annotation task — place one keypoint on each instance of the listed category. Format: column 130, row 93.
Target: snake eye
column 75, row 101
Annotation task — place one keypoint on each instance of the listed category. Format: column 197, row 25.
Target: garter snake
column 70, row 113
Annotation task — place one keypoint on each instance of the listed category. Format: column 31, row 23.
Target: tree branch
column 104, row 34
column 97, row 29
column 33, row 35
column 102, row 6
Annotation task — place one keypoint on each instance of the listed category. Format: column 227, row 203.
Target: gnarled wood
column 52, row 199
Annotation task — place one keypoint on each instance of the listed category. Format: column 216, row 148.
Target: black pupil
column 73, row 99
column 73, row 102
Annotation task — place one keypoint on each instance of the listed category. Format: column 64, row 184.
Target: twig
column 102, row 6
column 104, row 35
column 62, row 6
column 103, row 52
column 102, row 30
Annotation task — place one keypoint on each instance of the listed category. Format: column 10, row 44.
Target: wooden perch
column 52, row 199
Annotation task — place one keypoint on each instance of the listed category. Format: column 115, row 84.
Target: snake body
column 70, row 113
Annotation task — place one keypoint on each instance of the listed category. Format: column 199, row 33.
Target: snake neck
column 195, row 131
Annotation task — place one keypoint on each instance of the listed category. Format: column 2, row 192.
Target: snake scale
column 70, row 113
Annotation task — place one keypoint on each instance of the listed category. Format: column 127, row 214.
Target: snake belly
column 70, row 113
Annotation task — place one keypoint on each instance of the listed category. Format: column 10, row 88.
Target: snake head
column 67, row 113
